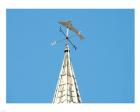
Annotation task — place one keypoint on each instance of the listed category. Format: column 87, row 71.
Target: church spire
column 67, row 90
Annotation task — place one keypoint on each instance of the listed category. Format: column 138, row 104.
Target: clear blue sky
column 103, row 62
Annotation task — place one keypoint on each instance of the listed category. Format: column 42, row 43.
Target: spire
column 67, row 90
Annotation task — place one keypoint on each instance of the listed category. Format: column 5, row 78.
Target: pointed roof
column 67, row 90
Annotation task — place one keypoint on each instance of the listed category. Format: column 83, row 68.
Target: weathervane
column 69, row 26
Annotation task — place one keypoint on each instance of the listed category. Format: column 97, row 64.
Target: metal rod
column 62, row 32
column 72, row 44
column 67, row 36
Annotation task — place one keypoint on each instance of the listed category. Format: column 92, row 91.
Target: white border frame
column 65, row 4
